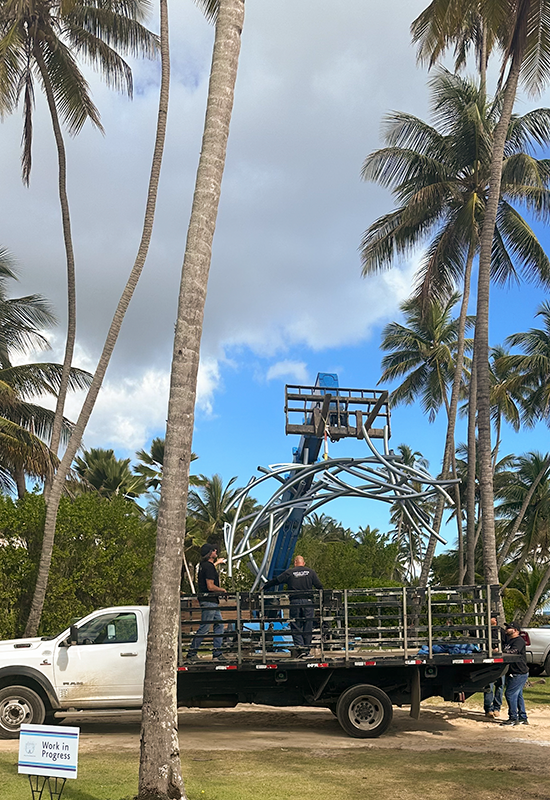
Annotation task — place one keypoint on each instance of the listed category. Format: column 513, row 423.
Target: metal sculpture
column 305, row 487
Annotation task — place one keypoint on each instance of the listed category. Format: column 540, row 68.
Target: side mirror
column 73, row 636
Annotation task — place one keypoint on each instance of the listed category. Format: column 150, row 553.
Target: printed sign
column 50, row 750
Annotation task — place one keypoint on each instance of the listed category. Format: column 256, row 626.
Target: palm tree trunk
column 483, row 59
column 536, row 597
column 482, row 328
column 472, row 477
column 160, row 769
column 69, row 255
column 459, row 524
column 19, row 477
column 519, row 519
column 58, row 484
column 497, row 443
column 452, row 411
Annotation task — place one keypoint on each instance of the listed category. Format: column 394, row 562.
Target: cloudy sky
column 286, row 298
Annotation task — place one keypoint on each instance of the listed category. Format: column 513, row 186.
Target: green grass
column 536, row 695
column 320, row 774
column 297, row 774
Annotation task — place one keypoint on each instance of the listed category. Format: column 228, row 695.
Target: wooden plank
column 376, row 409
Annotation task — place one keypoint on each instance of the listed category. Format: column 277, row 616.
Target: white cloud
column 127, row 413
column 296, row 370
column 314, row 81
column 208, row 381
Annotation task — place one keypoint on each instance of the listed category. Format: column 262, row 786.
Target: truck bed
column 355, row 627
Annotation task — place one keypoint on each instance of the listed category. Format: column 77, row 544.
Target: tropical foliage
column 103, row 556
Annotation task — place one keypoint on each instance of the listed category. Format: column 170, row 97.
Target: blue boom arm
column 306, row 453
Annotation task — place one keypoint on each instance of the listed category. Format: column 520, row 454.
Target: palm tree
column 506, row 394
column 533, row 368
column 439, row 177
column 152, row 462
column 42, row 38
column 325, row 529
column 530, row 591
column 58, row 484
column 503, row 474
column 526, row 507
column 159, row 739
column 523, row 31
column 102, row 471
column 431, row 29
column 424, row 350
column 25, row 426
column 405, row 534
column 207, row 506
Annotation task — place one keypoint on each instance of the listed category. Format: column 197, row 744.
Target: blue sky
column 286, row 299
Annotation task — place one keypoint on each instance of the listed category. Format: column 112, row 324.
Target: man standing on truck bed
column 209, row 583
column 299, row 578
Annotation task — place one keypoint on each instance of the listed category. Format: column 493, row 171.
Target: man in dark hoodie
column 516, row 678
column 300, row 580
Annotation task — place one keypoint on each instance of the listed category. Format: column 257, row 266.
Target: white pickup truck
column 372, row 649
column 537, row 649
column 98, row 664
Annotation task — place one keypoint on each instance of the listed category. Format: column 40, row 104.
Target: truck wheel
column 535, row 670
column 19, row 705
column 547, row 664
column 364, row 711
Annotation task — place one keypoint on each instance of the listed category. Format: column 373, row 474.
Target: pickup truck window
column 109, row 629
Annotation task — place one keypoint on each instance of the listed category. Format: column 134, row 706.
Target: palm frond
column 70, row 88
column 210, row 8
column 523, row 245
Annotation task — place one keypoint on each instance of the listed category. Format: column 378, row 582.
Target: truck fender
column 33, row 676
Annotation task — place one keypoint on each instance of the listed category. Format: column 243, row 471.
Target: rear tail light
column 525, row 636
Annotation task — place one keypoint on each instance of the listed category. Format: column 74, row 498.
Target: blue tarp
column 450, row 649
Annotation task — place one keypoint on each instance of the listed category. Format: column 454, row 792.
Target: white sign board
column 50, row 750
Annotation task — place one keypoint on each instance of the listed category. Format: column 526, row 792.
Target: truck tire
column 535, row 670
column 547, row 664
column 364, row 711
column 19, row 705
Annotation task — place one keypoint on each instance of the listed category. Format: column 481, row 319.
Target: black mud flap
column 415, row 694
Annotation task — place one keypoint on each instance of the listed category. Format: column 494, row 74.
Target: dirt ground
column 442, row 726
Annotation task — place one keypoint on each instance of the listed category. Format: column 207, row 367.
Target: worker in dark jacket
column 300, row 580
column 516, row 678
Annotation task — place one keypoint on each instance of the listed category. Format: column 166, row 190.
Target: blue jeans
column 492, row 698
column 210, row 614
column 514, row 696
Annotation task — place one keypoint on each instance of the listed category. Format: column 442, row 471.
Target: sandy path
column 441, row 726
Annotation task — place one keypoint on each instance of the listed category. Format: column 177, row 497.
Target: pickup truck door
column 106, row 666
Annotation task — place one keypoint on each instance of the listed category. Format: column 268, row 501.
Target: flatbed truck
column 371, row 649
